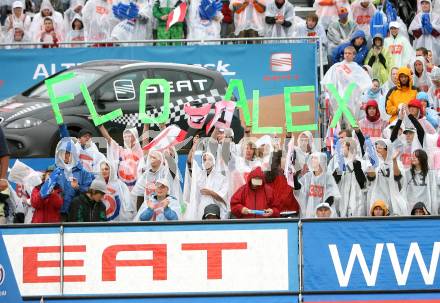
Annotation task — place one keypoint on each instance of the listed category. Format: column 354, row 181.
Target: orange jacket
column 398, row 95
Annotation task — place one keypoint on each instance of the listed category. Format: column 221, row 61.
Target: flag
column 177, row 15
column 224, row 111
column 169, row 137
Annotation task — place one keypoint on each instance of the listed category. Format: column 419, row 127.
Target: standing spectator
column 328, row 10
column 248, row 18
column 340, row 31
column 49, row 34
column 425, row 28
column 401, row 94
column 75, row 32
column 73, row 11
column 359, row 43
column 372, row 125
column 312, row 28
column 434, row 90
column 161, row 11
column 256, row 195
column 46, row 10
column 391, row 82
column 379, row 59
column 98, row 21
column 431, row 114
column 398, row 46
column 160, row 206
column 17, row 18
column 47, row 208
column 421, row 79
column 16, row 36
column 363, row 11
column 280, row 16
column 4, row 161
column 227, row 26
column 203, row 22
column 90, row 206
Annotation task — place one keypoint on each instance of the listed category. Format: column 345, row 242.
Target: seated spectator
column 324, row 210
column 398, row 46
column 255, row 199
column 379, row 59
column 425, row 27
column 49, row 34
column 359, row 43
column 248, row 18
column 17, row 18
column 47, row 209
column 379, row 209
column 279, row 19
column 90, row 206
column 161, row 206
column 419, row 209
column 340, row 31
column 211, row 212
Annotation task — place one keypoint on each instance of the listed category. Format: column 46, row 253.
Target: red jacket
column 259, row 198
column 284, row 192
column 46, row 210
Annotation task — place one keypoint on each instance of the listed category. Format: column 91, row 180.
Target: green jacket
column 89, row 210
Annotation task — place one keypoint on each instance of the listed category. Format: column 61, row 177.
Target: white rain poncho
column 298, row 155
column 352, row 203
column 427, row 41
column 199, row 29
column 140, row 28
column 75, row 9
column 384, row 187
column 158, row 214
column 89, row 156
column 129, row 159
column 118, row 202
column 214, row 181
column 316, row 186
column 38, row 20
column 145, row 185
column 278, row 30
column 98, row 20
column 74, row 34
column 423, row 81
column 24, row 21
column 400, row 49
column 22, row 38
column 341, row 75
column 301, row 30
column 434, row 91
column 249, row 18
column 327, row 10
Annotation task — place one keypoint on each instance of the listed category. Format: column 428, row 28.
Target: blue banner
column 371, row 255
column 374, row 298
column 267, row 67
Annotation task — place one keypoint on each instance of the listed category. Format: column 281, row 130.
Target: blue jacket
column 338, row 53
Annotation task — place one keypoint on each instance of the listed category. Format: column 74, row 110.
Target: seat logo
column 281, row 62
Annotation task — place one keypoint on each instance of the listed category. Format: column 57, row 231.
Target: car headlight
column 24, row 123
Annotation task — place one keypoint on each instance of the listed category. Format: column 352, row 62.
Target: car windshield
column 72, row 86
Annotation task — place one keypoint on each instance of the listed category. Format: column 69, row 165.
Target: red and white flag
column 177, row 15
column 224, row 111
column 170, row 136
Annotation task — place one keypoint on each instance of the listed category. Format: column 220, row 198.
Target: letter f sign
column 342, row 104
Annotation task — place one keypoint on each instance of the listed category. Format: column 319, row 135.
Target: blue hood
column 358, row 34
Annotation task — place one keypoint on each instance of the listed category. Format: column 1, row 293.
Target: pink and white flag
column 224, row 110
column 177, row 15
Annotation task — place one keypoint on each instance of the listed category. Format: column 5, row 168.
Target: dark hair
column 423, row 50
column 423, row 159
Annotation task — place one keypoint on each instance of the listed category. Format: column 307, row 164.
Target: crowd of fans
column 382, row 158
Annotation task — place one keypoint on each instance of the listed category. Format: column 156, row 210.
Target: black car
column 29, row 122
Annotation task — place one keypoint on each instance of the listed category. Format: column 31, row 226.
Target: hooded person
column 379, row 59
column 16, row 36
column 372, row 125
column 341, row 75
column 419, row 209
column 421, row 183
column 363, row 11
column 425, row 27
column 419, row 113
column 398, row 46
column 385, row 180
column 421, row 77
column 434, row 90
column 50, row 34
column 129, row 160
column 208, row 186
column 297, row 156
column 324, row 210
column 75, row 32
column 279, row 18
column 99, row 20
column 339, row 31
column 359, row 42
column 430, row 114
column 401, row 94
column 202, row 23
column 316, row 186
column 76, row 7
column 391, row 82
column 46, row 10
column 347, row 170
column 248, row 17
column 120, row 206
column 329, row 10
column 71, row 177
column 379, row 209
column 376, row 93
column 161, row 206
column 255, row 199
column 17, row 18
